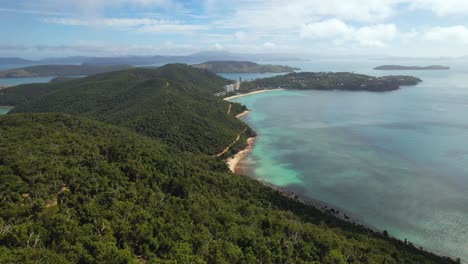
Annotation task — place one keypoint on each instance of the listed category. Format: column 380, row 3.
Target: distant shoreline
column 252, row 93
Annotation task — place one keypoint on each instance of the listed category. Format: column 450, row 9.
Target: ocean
column 398, row 160
column 4, row 110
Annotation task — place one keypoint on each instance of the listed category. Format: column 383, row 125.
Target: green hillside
column 242, row 67
column 173, row 103
column 79, row 191
column 332, row 81
column 183, row 74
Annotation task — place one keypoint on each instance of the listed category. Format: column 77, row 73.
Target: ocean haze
column 395, row 159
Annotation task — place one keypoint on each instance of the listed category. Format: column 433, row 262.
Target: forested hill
column 173, row 103
column 412, row 68
column 202, row 80
column 76, row 190
column 242, row 67
column 332, row 81
column 60, row 70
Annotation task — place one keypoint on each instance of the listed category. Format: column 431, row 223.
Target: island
column 412, row 68
column 60, row 70
column 331, row 81
column 243, row 67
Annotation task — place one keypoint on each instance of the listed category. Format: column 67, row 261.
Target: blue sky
column 419, row 28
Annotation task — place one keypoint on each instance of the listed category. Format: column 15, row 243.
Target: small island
column 412, row 68
column 243, row 67
column 60, row 70
column 331, row 81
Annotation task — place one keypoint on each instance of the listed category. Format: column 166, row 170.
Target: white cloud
column 142, row 25
column 94, row 8
column 241, row 35
column 102, row 49
column 269, row 45
column 441, row 7
column 325, row 29
column 449, row 35
column 291, row 15
column 340, row 32
column 218, row 46
column 375, row 36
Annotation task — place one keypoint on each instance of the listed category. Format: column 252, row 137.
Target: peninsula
column 331, row 81
column 60, row 70
column 242, row 67
column 413, row 68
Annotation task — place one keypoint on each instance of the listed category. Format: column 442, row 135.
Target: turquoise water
column 4, row 110
column 17, row 81
column 399, row 160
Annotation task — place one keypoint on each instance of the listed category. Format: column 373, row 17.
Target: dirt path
column 232, row 143
column 229, row 109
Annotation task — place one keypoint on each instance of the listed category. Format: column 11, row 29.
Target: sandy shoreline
column 246, row 112
column 235, row 166
column 234, row 162
column 251, row 93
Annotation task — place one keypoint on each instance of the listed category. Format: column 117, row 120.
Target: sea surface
column 18, row 81
column 4, row 110
column 398, row 160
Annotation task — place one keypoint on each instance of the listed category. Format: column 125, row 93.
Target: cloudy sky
column 419, row 28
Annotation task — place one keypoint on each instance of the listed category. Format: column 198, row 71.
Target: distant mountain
column 198, row 57
column 242, row 67
column 14, row 61
column 415, row 68
column 60, row 70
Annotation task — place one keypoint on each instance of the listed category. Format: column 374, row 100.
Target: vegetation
column 331, row 81
column 79, row 191
column 417, row 68
column 242, row 67
column 60, row 70
column 173, row 103
column 64, row 78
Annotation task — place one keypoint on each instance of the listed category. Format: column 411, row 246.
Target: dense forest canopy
column 173, row 103
column 332, row 81
column 242, row 67
column 76, row 190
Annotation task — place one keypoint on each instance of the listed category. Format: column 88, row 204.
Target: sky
column 410, row 28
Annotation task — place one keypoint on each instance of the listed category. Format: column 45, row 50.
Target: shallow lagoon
column 399, row 160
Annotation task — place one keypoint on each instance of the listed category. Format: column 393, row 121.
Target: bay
column 398, row 160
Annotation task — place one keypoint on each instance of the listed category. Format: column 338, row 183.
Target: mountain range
column 198, row 57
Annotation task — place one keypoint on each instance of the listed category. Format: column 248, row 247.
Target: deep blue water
column 398, row 160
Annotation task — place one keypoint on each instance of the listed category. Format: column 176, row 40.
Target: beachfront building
column 229, row 88
column 237, row 85
column 232, row 87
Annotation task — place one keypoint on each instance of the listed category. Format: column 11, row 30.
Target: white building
column 229, row 88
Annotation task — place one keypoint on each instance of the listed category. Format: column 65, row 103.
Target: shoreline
column 236, row 167
column 234, row 163
column 252, row 93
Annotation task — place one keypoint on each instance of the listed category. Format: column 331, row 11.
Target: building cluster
column 232, row 87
